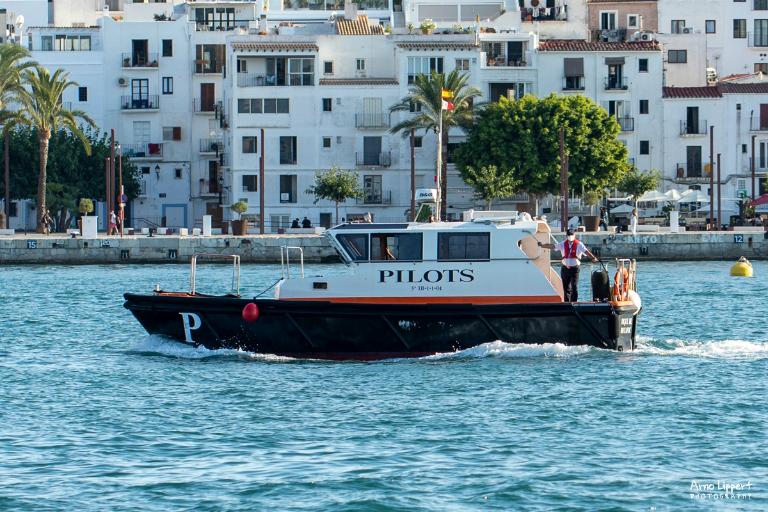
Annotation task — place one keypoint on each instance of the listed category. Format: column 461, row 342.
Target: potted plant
column 592, row 198
column 410, row 28
column 84, row 207
column 240, row 226
column 427, row 26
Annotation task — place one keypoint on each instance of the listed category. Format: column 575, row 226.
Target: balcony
column 618, row 35
column 690, row 173
column 205, row 107
column 372, row 120
column 147, row 151
column 139, row 60
column 221, row 26
column 378, row 197
column 211, row 146
column 205, row 67
column 626, row 123
column 757, row 40
column 501, row 61
column 208, row 187
column 573, row 83
column 757, row 124
column 616, row 83
column 693, row 129
column 150, row 102
column 539, row 13
column 373, row 159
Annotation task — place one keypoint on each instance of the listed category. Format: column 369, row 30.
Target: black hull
column 324, row 330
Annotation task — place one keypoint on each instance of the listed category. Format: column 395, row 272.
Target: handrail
column 235, row 270
column 285, row 260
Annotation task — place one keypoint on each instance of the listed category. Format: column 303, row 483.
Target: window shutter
column 177, row 133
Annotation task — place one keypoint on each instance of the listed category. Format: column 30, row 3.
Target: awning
column 763, row 199
column 611, row 61
column 574, row 67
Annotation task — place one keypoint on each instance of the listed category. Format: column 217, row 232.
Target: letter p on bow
column 191, row 322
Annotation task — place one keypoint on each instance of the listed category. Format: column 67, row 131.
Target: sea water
column 96, row 415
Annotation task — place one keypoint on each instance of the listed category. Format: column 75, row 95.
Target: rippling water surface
column 95, row 414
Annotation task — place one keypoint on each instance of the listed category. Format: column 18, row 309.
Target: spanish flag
column 446, row 94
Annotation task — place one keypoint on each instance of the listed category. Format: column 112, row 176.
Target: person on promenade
column 112, row 224
column 603, row 219
column 46, row 221
column 306, row 223
column 295, row 223
column 633, row 221
column 572, row 251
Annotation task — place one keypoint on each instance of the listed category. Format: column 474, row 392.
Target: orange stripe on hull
column 518, row 299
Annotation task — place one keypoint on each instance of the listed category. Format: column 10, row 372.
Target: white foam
column 168, row 347
column 513, row 350
column 726, row 349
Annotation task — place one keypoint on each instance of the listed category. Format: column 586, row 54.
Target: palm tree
column 43, row 110
column 425, row 98
column 12, row 65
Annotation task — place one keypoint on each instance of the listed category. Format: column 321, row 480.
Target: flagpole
column 439, row 160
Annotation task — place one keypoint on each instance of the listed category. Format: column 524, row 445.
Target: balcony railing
column 205, row 107
column 573, row 83
column 205, row 67
column 380, row 197
column 559, row 13
column 626, row 123
column 515, row 61
column 372, row 120
column 151, row 102
column 255, row 80
column 757, row 40
column 212, row 146
column 221, row 26
column 208, row 187
column 616, row 83
column 617, row 35
column 690, row 129
column 139, row 60
column 373, row 159
column 150, row 150
column 690, row 172
column 758, row 125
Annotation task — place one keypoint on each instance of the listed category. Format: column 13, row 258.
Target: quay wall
column 40, row 249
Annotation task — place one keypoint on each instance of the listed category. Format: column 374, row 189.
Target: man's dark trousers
column 570, row 277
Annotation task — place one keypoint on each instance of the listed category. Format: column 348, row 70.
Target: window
column 263, row 106
column 301, row 71
column 463, row 246
column 642, row 65
column 740, row 29
column 418, row 142
column 250, row 183
column 328, row 67
column 171, row 133
column 710, row 26
column 167, row 85
column 288, row 151
column 645, row 147
column 82, row 94
column 13, row 209
column 167, row 47
column 414, row 107
column 678, row 26
column 46, row 43
column 393, row 246
column 677, row 56
column 355, row 245
column 177, row 173
column 288, row 188
column 326, row 143
column 761, row 67
column 209, row 58
column 250, row 144
column 761, row 33
column 359, row 64
column 242, row 66
column 145, row 170
column 462, row 64
column 643, row 106
column 327, row 104
column 608, row 20
column 423, row 66
column 744, row 148
column 633, row 21
column 761, row 5
column 573, row 70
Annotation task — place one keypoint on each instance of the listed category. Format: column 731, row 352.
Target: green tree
column 522, row 138
column 636, row 183
column 425, row 98
column 68, row 163
column 336, row 185
column 490, row 182
column 42, row 108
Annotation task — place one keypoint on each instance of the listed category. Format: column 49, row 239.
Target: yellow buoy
column 742, row 268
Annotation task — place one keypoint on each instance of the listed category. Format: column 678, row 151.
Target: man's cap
column 569, row 232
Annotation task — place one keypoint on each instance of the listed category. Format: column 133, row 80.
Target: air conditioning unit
column 687, row 30
column 122, row 81
column 643, row 36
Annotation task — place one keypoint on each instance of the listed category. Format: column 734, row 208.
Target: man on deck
column 572, row 251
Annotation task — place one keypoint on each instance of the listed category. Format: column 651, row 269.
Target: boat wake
column 722, row 349
column 158, row 345
column 512, row 350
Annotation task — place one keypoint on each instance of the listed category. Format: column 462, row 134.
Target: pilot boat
column 412, row 289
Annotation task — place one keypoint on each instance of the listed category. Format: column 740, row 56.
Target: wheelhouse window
column 396, row 246
column 463, row 246
column 355, row 245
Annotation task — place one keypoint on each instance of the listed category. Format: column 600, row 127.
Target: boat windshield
column 396, row 246
column 355, row 245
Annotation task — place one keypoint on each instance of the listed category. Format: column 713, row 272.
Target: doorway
column 207, row 97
